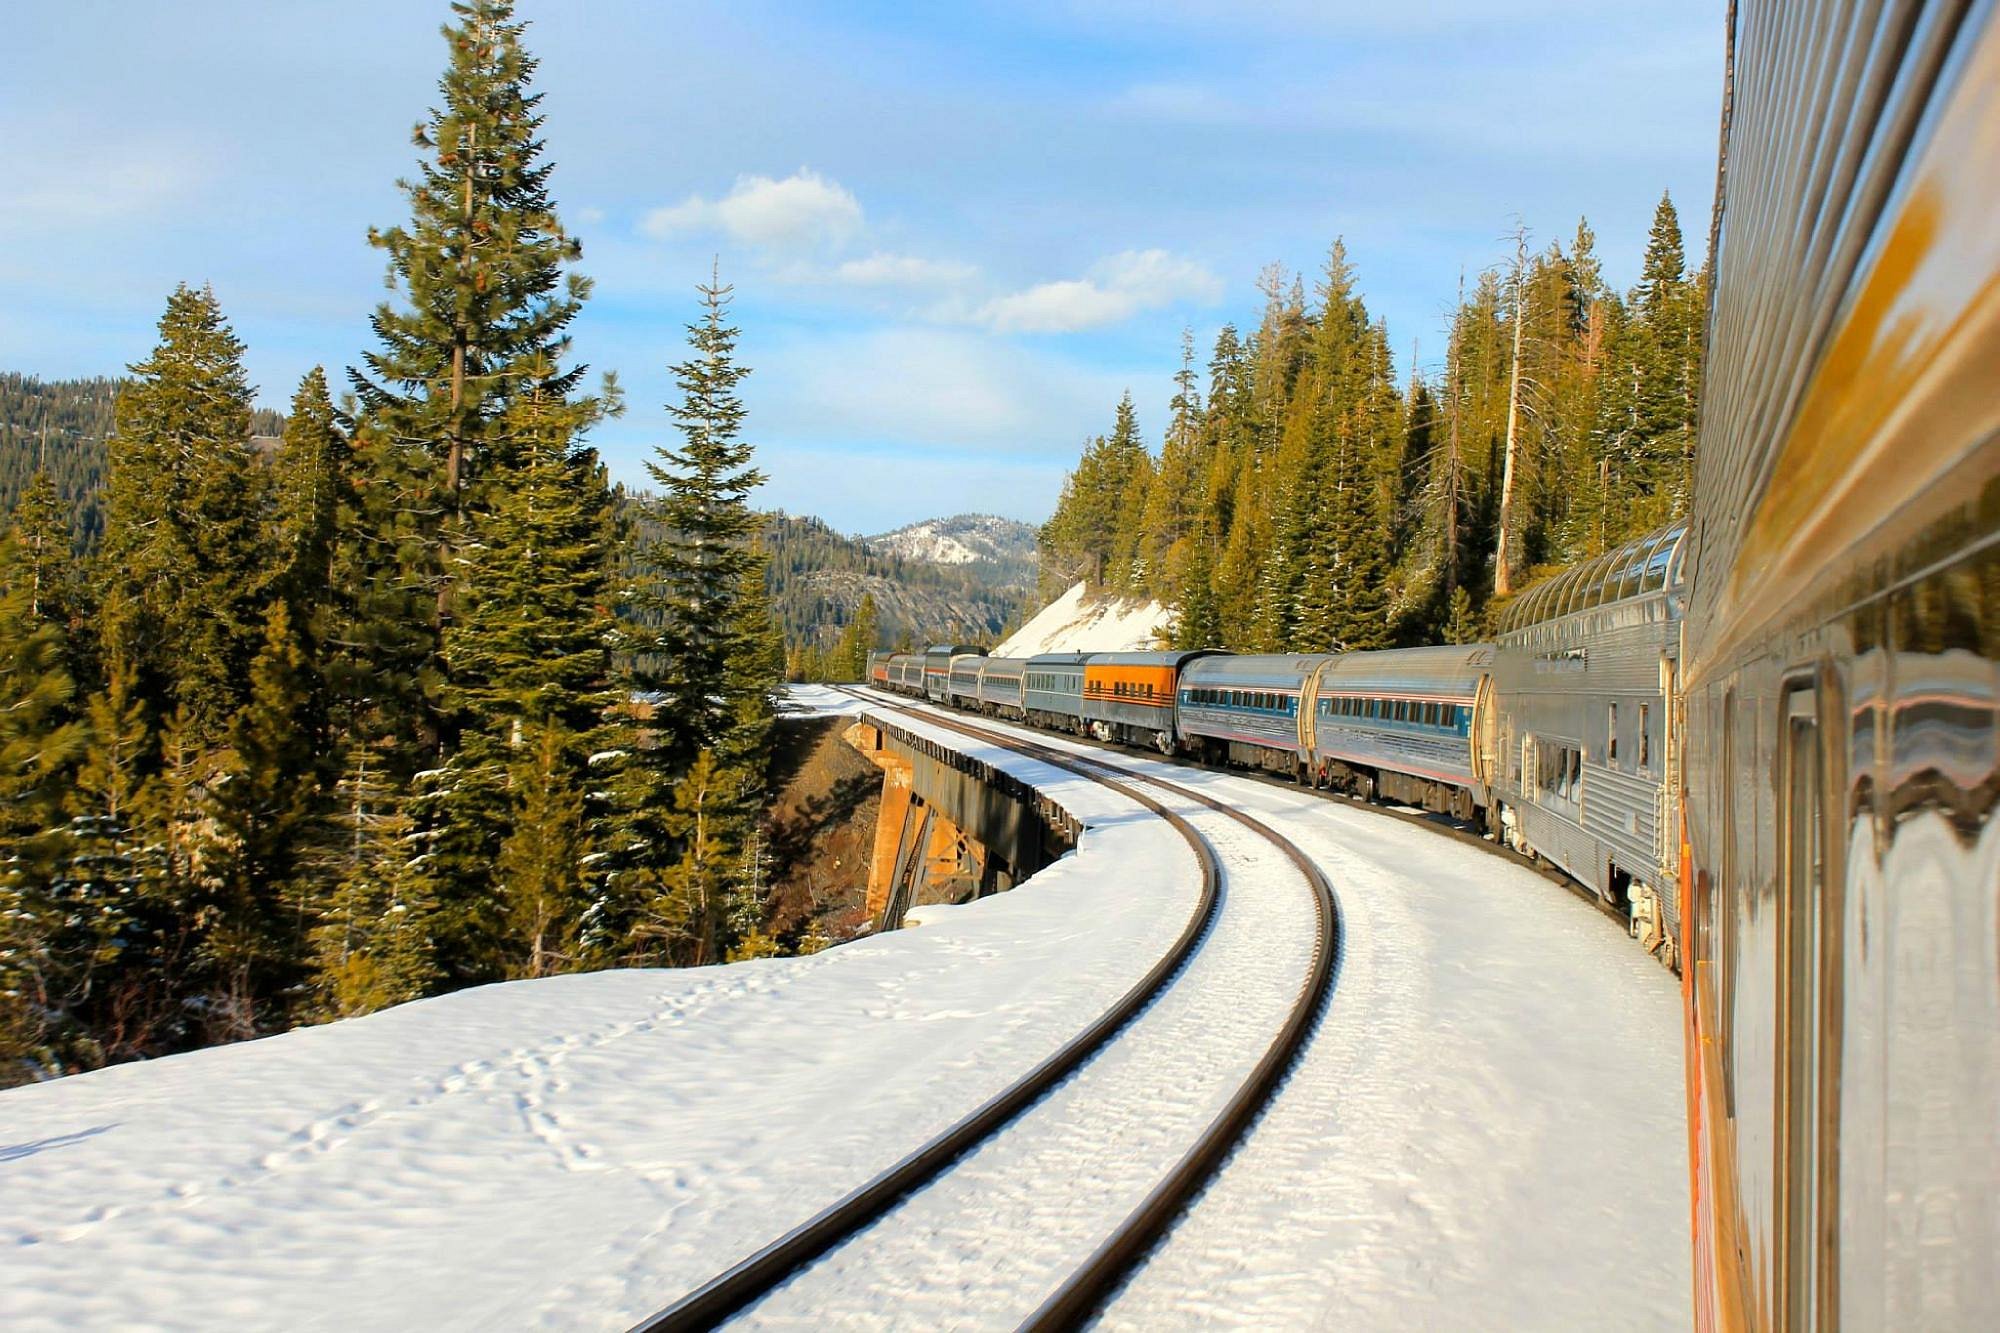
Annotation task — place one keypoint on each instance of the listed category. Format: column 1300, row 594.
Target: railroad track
column 1092, row 1280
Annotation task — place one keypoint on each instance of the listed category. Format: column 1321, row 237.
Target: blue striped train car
column 1245, row 710
column 1400, row 724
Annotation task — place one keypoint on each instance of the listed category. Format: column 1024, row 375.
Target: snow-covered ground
column 1486, row 1131
column 1077, row 623
column 574, row 1152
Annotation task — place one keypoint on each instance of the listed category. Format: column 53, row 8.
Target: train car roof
column 1172, row 659
column 1060, row 659
column 1264, row 668
column 1007, row 663
column 954, row 649
column 1451, row 669
column 1648, row 564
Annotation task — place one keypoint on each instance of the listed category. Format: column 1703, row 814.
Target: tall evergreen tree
column 40, row 741
column 185, row 565
column 857, row 641
column 487, row 304
column 692, row 574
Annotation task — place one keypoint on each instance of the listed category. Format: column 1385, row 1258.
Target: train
column 1554, row 738
column 1770, row 733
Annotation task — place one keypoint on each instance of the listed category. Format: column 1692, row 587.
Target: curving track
column 1156, row 1107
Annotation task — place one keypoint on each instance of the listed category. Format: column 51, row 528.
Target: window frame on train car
column 1611, row 731
column 1807, row 1119
column 1645, row 737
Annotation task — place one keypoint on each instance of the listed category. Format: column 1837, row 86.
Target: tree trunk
column 1510, row 537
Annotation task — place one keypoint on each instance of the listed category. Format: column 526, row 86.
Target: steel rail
column 748, row 1280
column 1087, row 1287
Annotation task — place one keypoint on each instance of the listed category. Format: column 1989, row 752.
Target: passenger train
column 1770, row 734
column 1553, row 739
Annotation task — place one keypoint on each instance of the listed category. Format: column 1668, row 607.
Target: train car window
column 1645, row 736
column 1611, row 733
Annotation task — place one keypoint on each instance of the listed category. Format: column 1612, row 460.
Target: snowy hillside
column 1080, row 622
column 965, row 539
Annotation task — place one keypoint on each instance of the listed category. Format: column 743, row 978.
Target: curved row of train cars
column 1556, row 738
column 1778, row 731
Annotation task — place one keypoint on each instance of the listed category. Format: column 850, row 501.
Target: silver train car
column 1002, row 686
column 962, row 678
column 1400, row 725
column 1842, row 681
column 937, row 668
column 1578, row 735
column 1053, row 692
column 1245, row 710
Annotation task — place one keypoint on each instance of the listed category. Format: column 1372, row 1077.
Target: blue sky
column 957, row 231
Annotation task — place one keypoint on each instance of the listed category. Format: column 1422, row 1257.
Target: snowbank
column 573, row 1152
column 1078, row 622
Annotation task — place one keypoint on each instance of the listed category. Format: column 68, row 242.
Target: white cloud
column 904, row 271
column 1115, row 289
column 804, row 211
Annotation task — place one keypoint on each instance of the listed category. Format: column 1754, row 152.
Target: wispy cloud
column 906, row 272
column 1114, row 290
column 799, row 228
column 107, row 182
column 803, row 212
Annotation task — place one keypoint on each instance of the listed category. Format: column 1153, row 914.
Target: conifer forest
column 305, row 715
column 405, row 699
column 1304, row 500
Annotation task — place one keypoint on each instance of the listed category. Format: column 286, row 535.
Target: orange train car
column 1129, row 697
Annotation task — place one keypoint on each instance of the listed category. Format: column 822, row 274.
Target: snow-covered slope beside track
column 568, row 1153
column 1485, row 1130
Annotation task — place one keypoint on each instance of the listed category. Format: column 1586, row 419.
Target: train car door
column 1309, row 713
column 1806, row 1214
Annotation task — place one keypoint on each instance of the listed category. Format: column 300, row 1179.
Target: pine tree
column 372, row 945
column 540, row 870
column 856, row 642
column 483, row 323
column 186, row 570
column 753, row 667
column 1198, row 622
column 40, row 740
column 118, row 988
column 313, row 485
column 266, row 805
column 684, row 918
column 1098, row 525
column 43, row 551
column 693, row 573
column 1174, row 500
